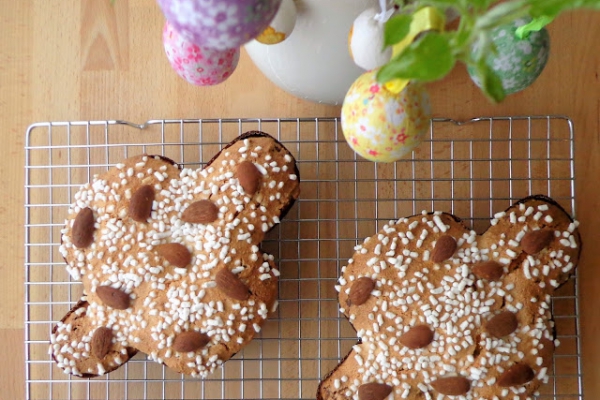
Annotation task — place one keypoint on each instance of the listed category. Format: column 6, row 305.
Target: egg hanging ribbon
column 426, row 19
column 385, row 13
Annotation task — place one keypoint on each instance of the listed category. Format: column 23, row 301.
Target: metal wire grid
column 471, row 169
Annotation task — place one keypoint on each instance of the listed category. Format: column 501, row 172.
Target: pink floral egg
column 199, row 66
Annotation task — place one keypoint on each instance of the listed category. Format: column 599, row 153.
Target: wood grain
column 84, row 59
column 12, row 380
column 104, row 34
column 15, row 112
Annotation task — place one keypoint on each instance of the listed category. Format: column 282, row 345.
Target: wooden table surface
column 85, row 59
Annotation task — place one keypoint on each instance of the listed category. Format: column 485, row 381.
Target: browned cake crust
column 170, row 259
column 475, row 324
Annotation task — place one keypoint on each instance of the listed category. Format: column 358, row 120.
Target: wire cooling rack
column 472, row 169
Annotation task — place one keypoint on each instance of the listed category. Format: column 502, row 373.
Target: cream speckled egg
column 382, row 126
column 199, row 66
column 366, row 41
column 282, row 25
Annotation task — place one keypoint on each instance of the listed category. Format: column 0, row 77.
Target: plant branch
column 471, row 43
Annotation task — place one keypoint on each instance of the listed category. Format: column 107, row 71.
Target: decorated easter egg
column 313, row 63
column 383, row 126
column 200, row 66
column 282, row 25
column 366, row 41
column 220, row 24
column 517, row 62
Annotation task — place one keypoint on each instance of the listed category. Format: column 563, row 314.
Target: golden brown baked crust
column 455, row 299
column 150, row 276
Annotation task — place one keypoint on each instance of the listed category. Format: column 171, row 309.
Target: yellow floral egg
column 382, row 126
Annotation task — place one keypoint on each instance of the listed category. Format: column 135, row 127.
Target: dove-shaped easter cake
column 444, row 313
column 169, row 259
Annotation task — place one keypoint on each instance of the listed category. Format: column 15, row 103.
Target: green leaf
column 491, row 84
column 481, row 4
column 552, row 8
column 428, row 59
column 396, row 29
column 438, row 3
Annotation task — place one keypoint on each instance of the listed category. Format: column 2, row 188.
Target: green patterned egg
column 517, row 62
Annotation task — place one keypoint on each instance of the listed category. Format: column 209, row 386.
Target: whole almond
column 113, row 298
column 444, row 249
column 83, row 228
column 535, row 241
column 452, row 385
column 502, row 324
column 360, row 291
column 140, row 205
column 490, row 270
column 417, row 337
column 231, row 285
column 249, row 177
column 374, row 391
column 517, row 375
column 190, row 341
column 175, row 253
column 201, row 212
column 101, row 342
